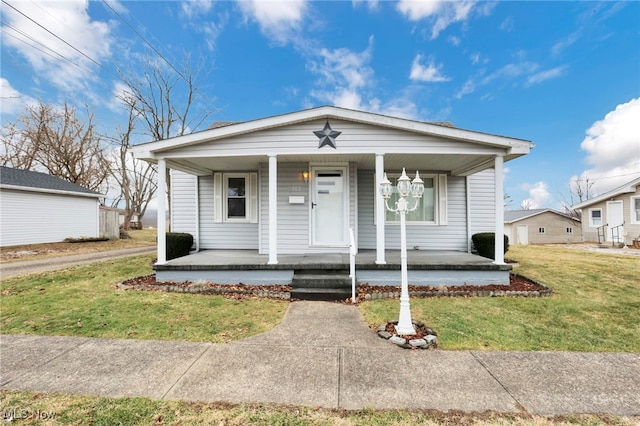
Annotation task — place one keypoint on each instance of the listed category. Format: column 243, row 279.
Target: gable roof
column 149, row 150
column 40, row 182
column 624, row 189
column 511, row 216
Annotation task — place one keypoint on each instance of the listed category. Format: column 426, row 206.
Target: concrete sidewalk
column 11, row 269
column 324, row 355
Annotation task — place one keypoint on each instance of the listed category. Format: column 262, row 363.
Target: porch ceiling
column 455, row 164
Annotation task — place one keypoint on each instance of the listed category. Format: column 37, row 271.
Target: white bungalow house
column 287, row 191
column 614, row 216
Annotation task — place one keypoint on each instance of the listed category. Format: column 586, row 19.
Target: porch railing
column 616, row 232
column 352, row 264
column 602, row 233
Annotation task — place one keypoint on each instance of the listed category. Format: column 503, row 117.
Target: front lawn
column 83, row 301
column 595, row 307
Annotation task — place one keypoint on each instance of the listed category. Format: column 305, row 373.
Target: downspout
column 467, row 196
column 197, row 213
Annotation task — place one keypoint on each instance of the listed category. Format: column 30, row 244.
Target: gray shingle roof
column 27, row 178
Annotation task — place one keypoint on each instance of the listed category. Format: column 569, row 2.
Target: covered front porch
column 425, row 267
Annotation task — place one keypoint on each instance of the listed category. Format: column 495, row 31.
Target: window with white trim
column 236, row 197
column 569, row 230
column 236, row 200
column 595, row 218
column 431, row 207
column 635, row 209
column 541, row 230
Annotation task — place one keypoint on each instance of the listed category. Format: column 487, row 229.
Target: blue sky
column 565, row 75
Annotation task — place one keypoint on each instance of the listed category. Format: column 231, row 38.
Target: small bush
column 485, row 244
column 178, row 244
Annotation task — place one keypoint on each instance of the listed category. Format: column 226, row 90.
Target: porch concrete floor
column 364, row 259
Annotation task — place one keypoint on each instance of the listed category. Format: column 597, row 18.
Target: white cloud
column 454, row 40
column 468, row 87
column 344, row 73
column 69, row 21
column 196, row 7
column 512, row 70
column 429, row 73
column 507, row 25
column 539, row 195
column 440, row 13
column 541, row 76
column 612, row 148
column 12, row 101
column 372, row 5
column 280, row 20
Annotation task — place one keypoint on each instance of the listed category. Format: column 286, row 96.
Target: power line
column 61, row 39
column 604, row 177
column 27, row 36
column 148, row 43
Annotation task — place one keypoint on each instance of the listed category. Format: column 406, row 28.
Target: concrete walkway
column 324, row 355
column 60, row 262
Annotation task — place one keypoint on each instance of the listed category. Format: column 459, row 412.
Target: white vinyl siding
column 294, row 218
column 213, row 235
column 222, row 235
column 299, row 139
column 37, row 217
column 451, row 235
column 482, row 208
column 183, row 203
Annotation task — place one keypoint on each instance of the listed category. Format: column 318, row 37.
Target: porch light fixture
column 305, row 176
column 405, row 187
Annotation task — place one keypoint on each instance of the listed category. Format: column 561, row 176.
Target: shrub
column 178, row 244
column 485, row 244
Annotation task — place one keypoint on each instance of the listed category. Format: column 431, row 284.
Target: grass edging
column 365, row 292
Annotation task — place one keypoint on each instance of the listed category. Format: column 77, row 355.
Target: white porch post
column 162, row 211
column 499, row 177
column 273, row 210
column 380, row 211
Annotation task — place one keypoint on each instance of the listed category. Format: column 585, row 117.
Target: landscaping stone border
column 425, row 338
column 283, row 292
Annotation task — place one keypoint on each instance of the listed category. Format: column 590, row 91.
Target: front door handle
column 313, row 204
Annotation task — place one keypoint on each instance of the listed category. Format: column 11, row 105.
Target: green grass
column 595, row 307
column 90, row 410
column 83, row 301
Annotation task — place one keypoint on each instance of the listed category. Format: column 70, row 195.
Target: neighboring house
column 40, row 208
column 613, row 216
column 541, row 226
column 298, row 183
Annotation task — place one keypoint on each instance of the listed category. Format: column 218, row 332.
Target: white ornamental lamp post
column 416, row 188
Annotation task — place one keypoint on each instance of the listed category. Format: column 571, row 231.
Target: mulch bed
column 519, row 286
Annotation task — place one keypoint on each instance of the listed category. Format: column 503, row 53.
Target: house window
column 541, row 230
column 236, row 197
column 569, row 230
column 595, row 218
column 426, row 212
column 236, row 202
column 635, row 210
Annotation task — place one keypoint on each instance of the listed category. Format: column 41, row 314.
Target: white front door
column 615, row 217
column 329, row 207
column 523, row 234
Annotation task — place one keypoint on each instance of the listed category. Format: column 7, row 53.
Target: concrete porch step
column 321, row 280
column 321, row 294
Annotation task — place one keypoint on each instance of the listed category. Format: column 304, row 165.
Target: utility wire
column 61, row 39
column 144, row 39
column 27, row 36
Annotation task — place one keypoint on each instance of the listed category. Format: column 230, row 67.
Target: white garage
column 40, row 208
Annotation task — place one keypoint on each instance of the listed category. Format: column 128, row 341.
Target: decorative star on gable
column 327, row 136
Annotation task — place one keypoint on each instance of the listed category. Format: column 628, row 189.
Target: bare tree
column 580, row 189
column 525, row 205
column 168, row 102
column 54, row 140
column 135, row 178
